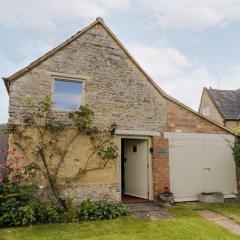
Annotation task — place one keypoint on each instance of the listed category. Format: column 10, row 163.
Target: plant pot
column 166, row 199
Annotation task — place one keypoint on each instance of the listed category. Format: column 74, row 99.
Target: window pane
column 67, row 95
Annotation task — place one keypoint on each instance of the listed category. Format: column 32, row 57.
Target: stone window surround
column 70, row 78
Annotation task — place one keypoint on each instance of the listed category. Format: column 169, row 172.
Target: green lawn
column 187, row 225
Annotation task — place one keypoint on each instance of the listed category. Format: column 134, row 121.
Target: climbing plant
column 236, row 155
column 42, row 132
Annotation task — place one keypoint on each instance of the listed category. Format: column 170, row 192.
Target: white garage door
column 200, row 163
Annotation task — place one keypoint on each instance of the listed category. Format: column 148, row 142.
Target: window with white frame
column 68, row 94
column 206, row 111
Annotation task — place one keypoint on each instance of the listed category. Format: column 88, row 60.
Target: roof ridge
column 215, row 89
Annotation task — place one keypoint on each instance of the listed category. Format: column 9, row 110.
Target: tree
column 41, row 134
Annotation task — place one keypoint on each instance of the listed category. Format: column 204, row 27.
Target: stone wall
column 232, row 124
column 97, row 183
column 115, row 89
column 105, row 192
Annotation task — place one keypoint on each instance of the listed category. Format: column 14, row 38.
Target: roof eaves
column 6, row 83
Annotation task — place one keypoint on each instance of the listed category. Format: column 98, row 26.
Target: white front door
column 136, row 168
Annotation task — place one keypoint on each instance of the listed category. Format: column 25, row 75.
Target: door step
column 149, row 211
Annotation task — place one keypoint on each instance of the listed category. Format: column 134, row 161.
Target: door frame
column 149, row 161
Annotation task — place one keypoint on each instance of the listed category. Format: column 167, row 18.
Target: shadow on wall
column 3, row 143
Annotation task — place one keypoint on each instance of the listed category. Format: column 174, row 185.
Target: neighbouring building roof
column 227, row 102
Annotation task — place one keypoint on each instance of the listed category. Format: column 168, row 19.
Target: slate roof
column 227, row 102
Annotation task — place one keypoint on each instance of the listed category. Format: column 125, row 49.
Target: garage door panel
column 221, row 173
column 200, row 163
column 185, row 166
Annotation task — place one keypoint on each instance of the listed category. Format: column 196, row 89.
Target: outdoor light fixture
column 113, row 128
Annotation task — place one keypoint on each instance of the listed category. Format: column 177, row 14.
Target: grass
column 187, row 225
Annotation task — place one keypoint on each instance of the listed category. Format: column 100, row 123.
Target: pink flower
column 17, row 158
column 1, row 179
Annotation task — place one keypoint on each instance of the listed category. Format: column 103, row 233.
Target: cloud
column 172, row 14
column 46, row 14
column 188, row 14
column 161, row 61
column 178, row 76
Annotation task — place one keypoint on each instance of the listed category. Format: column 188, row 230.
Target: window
column 134, row 149
column 206, row 111
column 68, row 94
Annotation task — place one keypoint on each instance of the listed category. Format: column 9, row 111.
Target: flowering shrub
column 13, row 168
column 14, row 207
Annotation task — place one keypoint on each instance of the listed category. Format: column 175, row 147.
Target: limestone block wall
column 232, row 124
column 115, row 89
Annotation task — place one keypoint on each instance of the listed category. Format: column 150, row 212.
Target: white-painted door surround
column 200, row 163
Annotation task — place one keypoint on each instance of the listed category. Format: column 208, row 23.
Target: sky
column 183, row 45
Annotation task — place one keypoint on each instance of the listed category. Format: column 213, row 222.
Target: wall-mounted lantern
column 113, row 128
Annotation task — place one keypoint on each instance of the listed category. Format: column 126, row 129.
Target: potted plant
column 166, row 197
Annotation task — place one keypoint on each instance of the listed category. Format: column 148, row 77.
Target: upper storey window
column 206, row 111
column 68, row 94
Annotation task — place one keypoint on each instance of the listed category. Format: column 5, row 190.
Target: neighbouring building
column 222, row 106
column 160, row 140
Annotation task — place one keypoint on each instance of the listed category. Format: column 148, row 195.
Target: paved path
column 221, row 220
column 149, row 211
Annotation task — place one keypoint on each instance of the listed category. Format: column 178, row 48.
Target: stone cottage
column 222, row 106
column 160, row 140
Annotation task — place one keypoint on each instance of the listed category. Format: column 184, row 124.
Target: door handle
column 125, row 159
column 207, row 168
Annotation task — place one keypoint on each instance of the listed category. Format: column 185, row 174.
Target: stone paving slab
column 221, row 220
column 230, row 225
column 143, row 207
column 211, row 215
column 149, row 211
